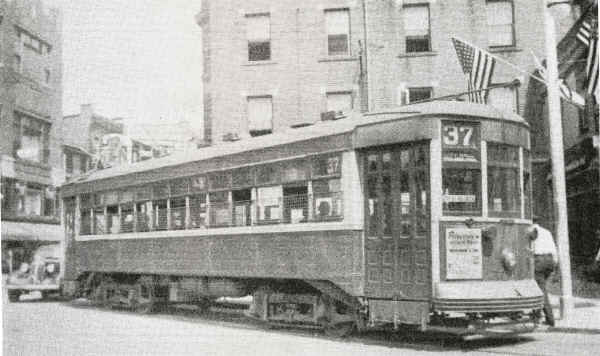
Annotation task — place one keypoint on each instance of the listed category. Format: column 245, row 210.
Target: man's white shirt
column 544, row 243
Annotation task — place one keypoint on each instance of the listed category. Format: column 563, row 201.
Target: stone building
column 30, row 118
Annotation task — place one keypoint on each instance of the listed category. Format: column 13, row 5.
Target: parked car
column 43, row 274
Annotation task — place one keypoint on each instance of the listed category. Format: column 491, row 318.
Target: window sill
column 340, row 58
column 258, row 63
column 27, row 162
column 418, row 54
column 22, row 217
column 502, row 49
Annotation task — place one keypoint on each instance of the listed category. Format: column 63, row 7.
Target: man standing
column 544, row 251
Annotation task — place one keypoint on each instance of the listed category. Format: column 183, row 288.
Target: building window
column 33, row 201
column 339, row 101
column 260, row 115
column 338, row 31
column 31, row 143
column 419, row 94
column 504, row 98
column 69, row 162
column 500, row 20
column 31, row 139
column 416, row 28
column 49, row 202
column 258, row 33
column 17, row 63
column 83, row 163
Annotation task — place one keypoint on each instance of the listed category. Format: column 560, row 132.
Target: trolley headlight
column 509, row 261
column 50, row 268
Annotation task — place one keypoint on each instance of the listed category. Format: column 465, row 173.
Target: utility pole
column 558, row 163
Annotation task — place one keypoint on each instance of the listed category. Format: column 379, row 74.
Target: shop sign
column 463, row 254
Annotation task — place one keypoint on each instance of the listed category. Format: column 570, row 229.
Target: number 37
column 458, row 135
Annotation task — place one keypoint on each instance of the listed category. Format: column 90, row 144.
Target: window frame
column 416, row 89
column 427, row 37
column 251, row 43
column 259, row 132
column 512, row 24
column 349, row 93
column 348, row 42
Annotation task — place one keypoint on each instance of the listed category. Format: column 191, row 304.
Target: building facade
column 91, row 128
column 101, row 142
column 580, row 127
column 30, row 119
column 270, row 65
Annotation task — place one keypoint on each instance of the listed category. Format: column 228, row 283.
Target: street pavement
column 585, row 317
column 34, row 327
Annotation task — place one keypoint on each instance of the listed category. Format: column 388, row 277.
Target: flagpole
column 558, row 164
column 499, row 59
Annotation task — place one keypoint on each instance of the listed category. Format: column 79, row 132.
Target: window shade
column 258, row 28
column 260, row 113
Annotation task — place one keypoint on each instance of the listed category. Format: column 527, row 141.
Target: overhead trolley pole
column 558, row 163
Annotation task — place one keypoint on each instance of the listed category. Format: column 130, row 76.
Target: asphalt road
column 39, row 328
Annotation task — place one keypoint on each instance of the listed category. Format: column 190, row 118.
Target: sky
column 136, row 59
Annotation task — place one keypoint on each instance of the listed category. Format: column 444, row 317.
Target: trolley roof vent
column 231, row 137
column 332, row 115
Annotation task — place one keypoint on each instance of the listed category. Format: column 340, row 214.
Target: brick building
column 269, row 65
column 30, row 117
column 580, row 125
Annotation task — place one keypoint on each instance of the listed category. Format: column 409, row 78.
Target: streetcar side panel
column 320, row 255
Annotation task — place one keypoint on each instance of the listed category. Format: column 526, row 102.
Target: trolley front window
column 461, row 168
column 504, row 191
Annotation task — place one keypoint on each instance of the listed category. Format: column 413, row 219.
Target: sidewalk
column 585, row 317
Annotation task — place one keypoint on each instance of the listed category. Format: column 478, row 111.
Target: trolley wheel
column 203, row 305
column 339, row 330
column 104, row 292
column 145, row 299
column 13, row 295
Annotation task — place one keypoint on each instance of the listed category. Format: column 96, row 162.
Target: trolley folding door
column 397, row 222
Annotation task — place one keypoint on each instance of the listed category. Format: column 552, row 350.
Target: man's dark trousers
column 544, row 266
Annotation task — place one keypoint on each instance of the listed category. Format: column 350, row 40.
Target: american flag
column 588, row 36
column 479, row 66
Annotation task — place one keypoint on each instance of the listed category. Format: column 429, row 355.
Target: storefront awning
column 22, row 231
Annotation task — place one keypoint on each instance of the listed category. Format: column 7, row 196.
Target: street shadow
column 567, row 330
column 405, row 339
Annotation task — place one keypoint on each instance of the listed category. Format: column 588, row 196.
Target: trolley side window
column 461, row 168
column 379, row 194
column 504, row 191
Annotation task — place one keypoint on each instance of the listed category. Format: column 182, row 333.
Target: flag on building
column 592, row 67
column 587, row 35
column 565, row 91
column 478, row 65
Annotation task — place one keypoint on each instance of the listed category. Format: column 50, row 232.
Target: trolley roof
column 343, row 131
